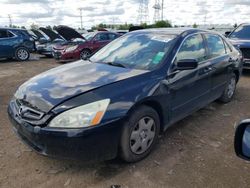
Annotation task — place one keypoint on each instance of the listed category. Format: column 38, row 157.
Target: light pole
column 81, row 9
column 162, row 11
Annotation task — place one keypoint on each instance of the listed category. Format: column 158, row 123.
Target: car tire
column 139, row 135
column 229, row 91
column 85, row 54
column 22, row 54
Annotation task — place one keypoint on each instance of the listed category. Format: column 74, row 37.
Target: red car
column 93, row 42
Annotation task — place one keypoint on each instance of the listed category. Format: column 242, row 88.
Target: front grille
column 26, row 112
column 246, row 53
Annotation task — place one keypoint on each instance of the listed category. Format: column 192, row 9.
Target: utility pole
column 143, row 11
column 157, row 8
column 81, row 9
column 162, row 10
column 10, row 20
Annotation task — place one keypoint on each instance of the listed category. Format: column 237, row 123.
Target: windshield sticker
column 158, row 57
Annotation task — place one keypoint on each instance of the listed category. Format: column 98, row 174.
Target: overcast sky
column 179, row 12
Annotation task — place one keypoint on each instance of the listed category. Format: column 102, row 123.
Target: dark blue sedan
column 117, row 102
column 240, row 38
column 16, row 43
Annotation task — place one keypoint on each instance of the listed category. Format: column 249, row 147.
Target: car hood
column 57, row 85
column 37, row 33
column 240, row 43
column 68, row 33
column 51, row 34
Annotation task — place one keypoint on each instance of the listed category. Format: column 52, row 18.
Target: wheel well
column 237, row 73
column 86, row 49
column 157, row 107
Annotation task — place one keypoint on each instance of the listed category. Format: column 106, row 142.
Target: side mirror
column 242, row 140
column 187, row 64
column 227, row 33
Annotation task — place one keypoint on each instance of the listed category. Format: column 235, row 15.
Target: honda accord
column 117, row 102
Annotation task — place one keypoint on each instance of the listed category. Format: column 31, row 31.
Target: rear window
column 5, row 34
column 22, row 33
column 215, row 45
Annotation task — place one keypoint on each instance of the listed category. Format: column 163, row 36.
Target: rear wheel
column 22, row 54
column 139, row 134
column 229, row 91
column 85, row 54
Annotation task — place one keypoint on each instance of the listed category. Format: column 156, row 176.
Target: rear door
column 221, row 62
column 190, row 89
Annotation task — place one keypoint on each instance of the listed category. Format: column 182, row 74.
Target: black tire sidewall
column 225, row 98
column 16, row 54
column 125, row 151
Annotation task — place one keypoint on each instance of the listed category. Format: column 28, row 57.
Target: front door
column 190, row 89
column 6, row 43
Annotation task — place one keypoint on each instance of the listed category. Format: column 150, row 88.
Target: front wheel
column 22, row 54
column 139, row 135
column 85, row 54
column 229, row 91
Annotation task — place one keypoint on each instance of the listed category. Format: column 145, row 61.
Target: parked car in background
column 240, row 38
column 120, row 100
column 93, row 42
column 46, row 43
column 72, row 37
column 242, row 140
column 16, row 43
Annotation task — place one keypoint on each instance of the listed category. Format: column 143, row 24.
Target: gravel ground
column 196, row 152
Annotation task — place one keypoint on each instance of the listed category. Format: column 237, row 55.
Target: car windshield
column 78, row 40
column 136, row 51
column 242, row 32
column 89, row 36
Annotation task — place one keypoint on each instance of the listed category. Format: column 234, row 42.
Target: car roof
column 175, row 31
column 17, row 29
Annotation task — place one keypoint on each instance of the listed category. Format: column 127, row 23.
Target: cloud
column 66, row 12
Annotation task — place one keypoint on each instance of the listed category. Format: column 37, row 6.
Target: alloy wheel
column 22, row 54
column 85, row 54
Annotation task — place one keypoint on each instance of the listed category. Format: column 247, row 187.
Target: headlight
column 72, row 48
column 83, row 116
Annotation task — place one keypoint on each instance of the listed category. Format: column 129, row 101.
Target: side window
column 102, row 37
column 3, row 34
column 215, row 45
column 112, row 36
column 192, row 48
column 10, row 34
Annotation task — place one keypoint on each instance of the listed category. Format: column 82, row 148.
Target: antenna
column 143, row 11
column 157, row 8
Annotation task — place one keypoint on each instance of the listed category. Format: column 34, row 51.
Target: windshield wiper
column 116, row 64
